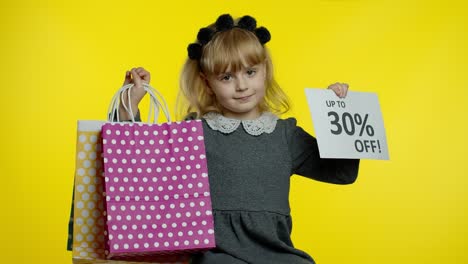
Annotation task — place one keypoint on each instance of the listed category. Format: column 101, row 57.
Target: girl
column 251, row 153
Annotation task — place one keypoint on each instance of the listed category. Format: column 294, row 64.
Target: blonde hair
column 231, row 49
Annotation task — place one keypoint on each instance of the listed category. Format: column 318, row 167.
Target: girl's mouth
column 243, row 98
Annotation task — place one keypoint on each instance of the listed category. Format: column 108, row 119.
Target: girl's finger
column 341, row 90
column 140, row 70
column 345, row 90
column 335, row 88
column 128, row 78
column 145, row 76
column 136, row 78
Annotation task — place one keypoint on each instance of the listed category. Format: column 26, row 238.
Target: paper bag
column 89, row 220
column 157, row 190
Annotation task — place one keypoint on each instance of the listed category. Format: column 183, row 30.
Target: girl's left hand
column 340, row 89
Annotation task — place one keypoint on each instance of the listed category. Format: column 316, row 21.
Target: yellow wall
column 61, row 62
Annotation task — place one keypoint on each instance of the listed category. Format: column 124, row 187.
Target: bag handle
column 156, row 101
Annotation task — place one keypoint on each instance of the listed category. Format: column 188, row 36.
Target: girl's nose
column 241, row 84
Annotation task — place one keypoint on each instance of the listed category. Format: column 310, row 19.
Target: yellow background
column 62, row 61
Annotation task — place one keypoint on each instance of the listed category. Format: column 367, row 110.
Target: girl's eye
column 226, row 77
column 251, row 72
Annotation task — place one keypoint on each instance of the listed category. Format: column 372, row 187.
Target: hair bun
column 205, row 35
column 263, row 35
column 247, row 22
column 224, row 22
column 194, row 51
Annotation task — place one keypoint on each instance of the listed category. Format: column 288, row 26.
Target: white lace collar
column 265, row 123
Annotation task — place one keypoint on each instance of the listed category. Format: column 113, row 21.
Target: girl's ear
column 207, row 83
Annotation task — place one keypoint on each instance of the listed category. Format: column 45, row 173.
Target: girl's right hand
column 137, row 76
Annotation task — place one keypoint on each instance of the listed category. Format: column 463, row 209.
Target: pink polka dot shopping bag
column 141, row 189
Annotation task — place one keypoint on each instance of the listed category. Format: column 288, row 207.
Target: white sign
column 350, row 127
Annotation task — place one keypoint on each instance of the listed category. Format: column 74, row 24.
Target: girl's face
column 239, row 93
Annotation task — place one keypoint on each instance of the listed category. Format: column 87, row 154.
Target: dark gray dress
column 250, row 179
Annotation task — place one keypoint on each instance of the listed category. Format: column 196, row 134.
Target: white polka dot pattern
column 157, row 189
column 88, row 226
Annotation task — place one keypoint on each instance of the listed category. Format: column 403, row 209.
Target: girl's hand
column 137, row 76
column 340, row 89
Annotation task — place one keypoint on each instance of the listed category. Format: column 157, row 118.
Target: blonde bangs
column 231, row 51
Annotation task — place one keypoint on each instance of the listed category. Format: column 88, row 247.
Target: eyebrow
column 243, row 67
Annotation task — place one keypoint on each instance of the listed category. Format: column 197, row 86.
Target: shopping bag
column 157, row 189
column 87, row 220
column 88, row 205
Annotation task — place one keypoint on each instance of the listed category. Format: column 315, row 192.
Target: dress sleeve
column 306, row 160
column 191, row 116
